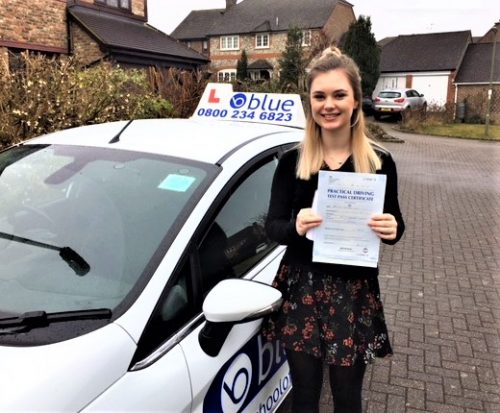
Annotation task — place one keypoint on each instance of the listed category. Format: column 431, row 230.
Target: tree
column 292, row 64
column 242, row 67
column 361, row 45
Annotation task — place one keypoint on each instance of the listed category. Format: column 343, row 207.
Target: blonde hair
column 311, row 156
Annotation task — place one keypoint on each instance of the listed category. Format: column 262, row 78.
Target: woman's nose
column 329, row 102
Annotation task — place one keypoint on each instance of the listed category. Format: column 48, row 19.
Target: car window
column 111, row 208
column 233, row 242
column 237, row 240
column 390, row 95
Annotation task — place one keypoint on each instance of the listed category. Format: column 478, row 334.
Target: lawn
column 461, row 130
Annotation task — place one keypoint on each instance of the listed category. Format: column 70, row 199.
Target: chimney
column 230, row 3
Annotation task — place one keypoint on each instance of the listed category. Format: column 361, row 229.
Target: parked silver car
column 398, row 102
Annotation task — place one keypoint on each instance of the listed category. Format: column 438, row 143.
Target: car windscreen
column 389, row 95
column 79, row 225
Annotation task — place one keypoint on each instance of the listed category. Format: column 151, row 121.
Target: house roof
column 424, row 52
column 126, row 34
column 260, row 64
column 251, row 16
column 476, row 66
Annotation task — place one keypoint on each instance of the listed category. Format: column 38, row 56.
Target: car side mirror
column 234, row 301
column 421, row 95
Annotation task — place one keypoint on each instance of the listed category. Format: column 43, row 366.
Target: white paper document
column 346, row 201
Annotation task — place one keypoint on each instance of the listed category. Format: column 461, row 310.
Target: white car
column 398, row 102
column 134, row 264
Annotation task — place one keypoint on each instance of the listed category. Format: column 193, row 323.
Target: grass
column 461, row 130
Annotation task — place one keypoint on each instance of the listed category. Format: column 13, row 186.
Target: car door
column 248, row 372
column 170, row 372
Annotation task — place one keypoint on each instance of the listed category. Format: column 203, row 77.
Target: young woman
column 331, row 313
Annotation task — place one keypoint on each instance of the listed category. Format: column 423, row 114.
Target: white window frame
column 306, row 37
column 230, row 42
column 259, row 38
column 226, row 75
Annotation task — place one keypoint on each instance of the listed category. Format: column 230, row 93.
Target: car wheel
column 405, row 113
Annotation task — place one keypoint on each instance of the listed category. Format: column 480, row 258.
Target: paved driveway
column 441, row 283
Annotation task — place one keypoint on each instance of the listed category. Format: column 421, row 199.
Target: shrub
column 183, row 89
column 51, row 94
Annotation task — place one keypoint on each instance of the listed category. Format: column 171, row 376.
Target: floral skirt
column 340, row 320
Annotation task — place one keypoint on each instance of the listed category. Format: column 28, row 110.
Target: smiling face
column 332, row 100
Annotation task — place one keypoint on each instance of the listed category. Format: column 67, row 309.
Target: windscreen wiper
column 39, row 319
column 69, row 255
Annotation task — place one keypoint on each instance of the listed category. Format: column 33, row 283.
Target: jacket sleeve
column 391, row 202
column 280, row 221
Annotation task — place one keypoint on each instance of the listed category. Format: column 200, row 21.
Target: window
column 306, row 38
column 236, row 239
column 229, row 42
column 205, row 45
column 228, row 75
column 17, row 58
column 233, row 243
column 122, row 4
column 262, row 41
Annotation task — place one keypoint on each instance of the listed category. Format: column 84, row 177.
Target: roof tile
column 424, row 52
column 250, row 16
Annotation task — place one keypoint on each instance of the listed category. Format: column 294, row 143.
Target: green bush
column 50, row 94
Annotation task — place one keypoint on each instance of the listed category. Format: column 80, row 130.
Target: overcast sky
column 389, row 17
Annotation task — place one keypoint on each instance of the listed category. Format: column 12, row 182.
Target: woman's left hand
column 384, row 225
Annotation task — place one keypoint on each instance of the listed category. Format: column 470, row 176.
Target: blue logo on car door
column 256, row 379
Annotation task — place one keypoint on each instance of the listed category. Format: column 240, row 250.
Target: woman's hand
column 306, row 219
column 384, row 225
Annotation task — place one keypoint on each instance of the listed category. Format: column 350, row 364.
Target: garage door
column 434, row 87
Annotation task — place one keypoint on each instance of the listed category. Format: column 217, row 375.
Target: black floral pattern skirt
column 337, row 319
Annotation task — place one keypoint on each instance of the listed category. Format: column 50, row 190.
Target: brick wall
column 85, row 48
column 221, row 59
column 138, row 6
column 476, row 97
column 450, row 96
column 339, row 22
column 33, row 24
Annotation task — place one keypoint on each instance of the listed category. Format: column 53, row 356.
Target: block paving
column 441, row 283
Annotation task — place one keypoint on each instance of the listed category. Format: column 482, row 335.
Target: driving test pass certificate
column 346, row 202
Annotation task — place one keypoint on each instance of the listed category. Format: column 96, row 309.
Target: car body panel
column 57, row 377
column 165, row 386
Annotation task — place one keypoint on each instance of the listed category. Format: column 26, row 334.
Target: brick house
column 92, row 30
column 474, row 77
column 260, row 28
column 426, row 62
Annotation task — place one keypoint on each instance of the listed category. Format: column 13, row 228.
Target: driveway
column 441, row 283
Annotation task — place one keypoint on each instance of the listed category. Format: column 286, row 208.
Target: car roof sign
column 219, row 101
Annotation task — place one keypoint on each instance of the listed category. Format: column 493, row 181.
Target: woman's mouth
column 330, row 116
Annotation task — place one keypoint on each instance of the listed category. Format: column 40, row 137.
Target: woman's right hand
column 306, row 219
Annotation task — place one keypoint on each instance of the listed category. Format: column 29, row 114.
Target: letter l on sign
column 212, row 98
